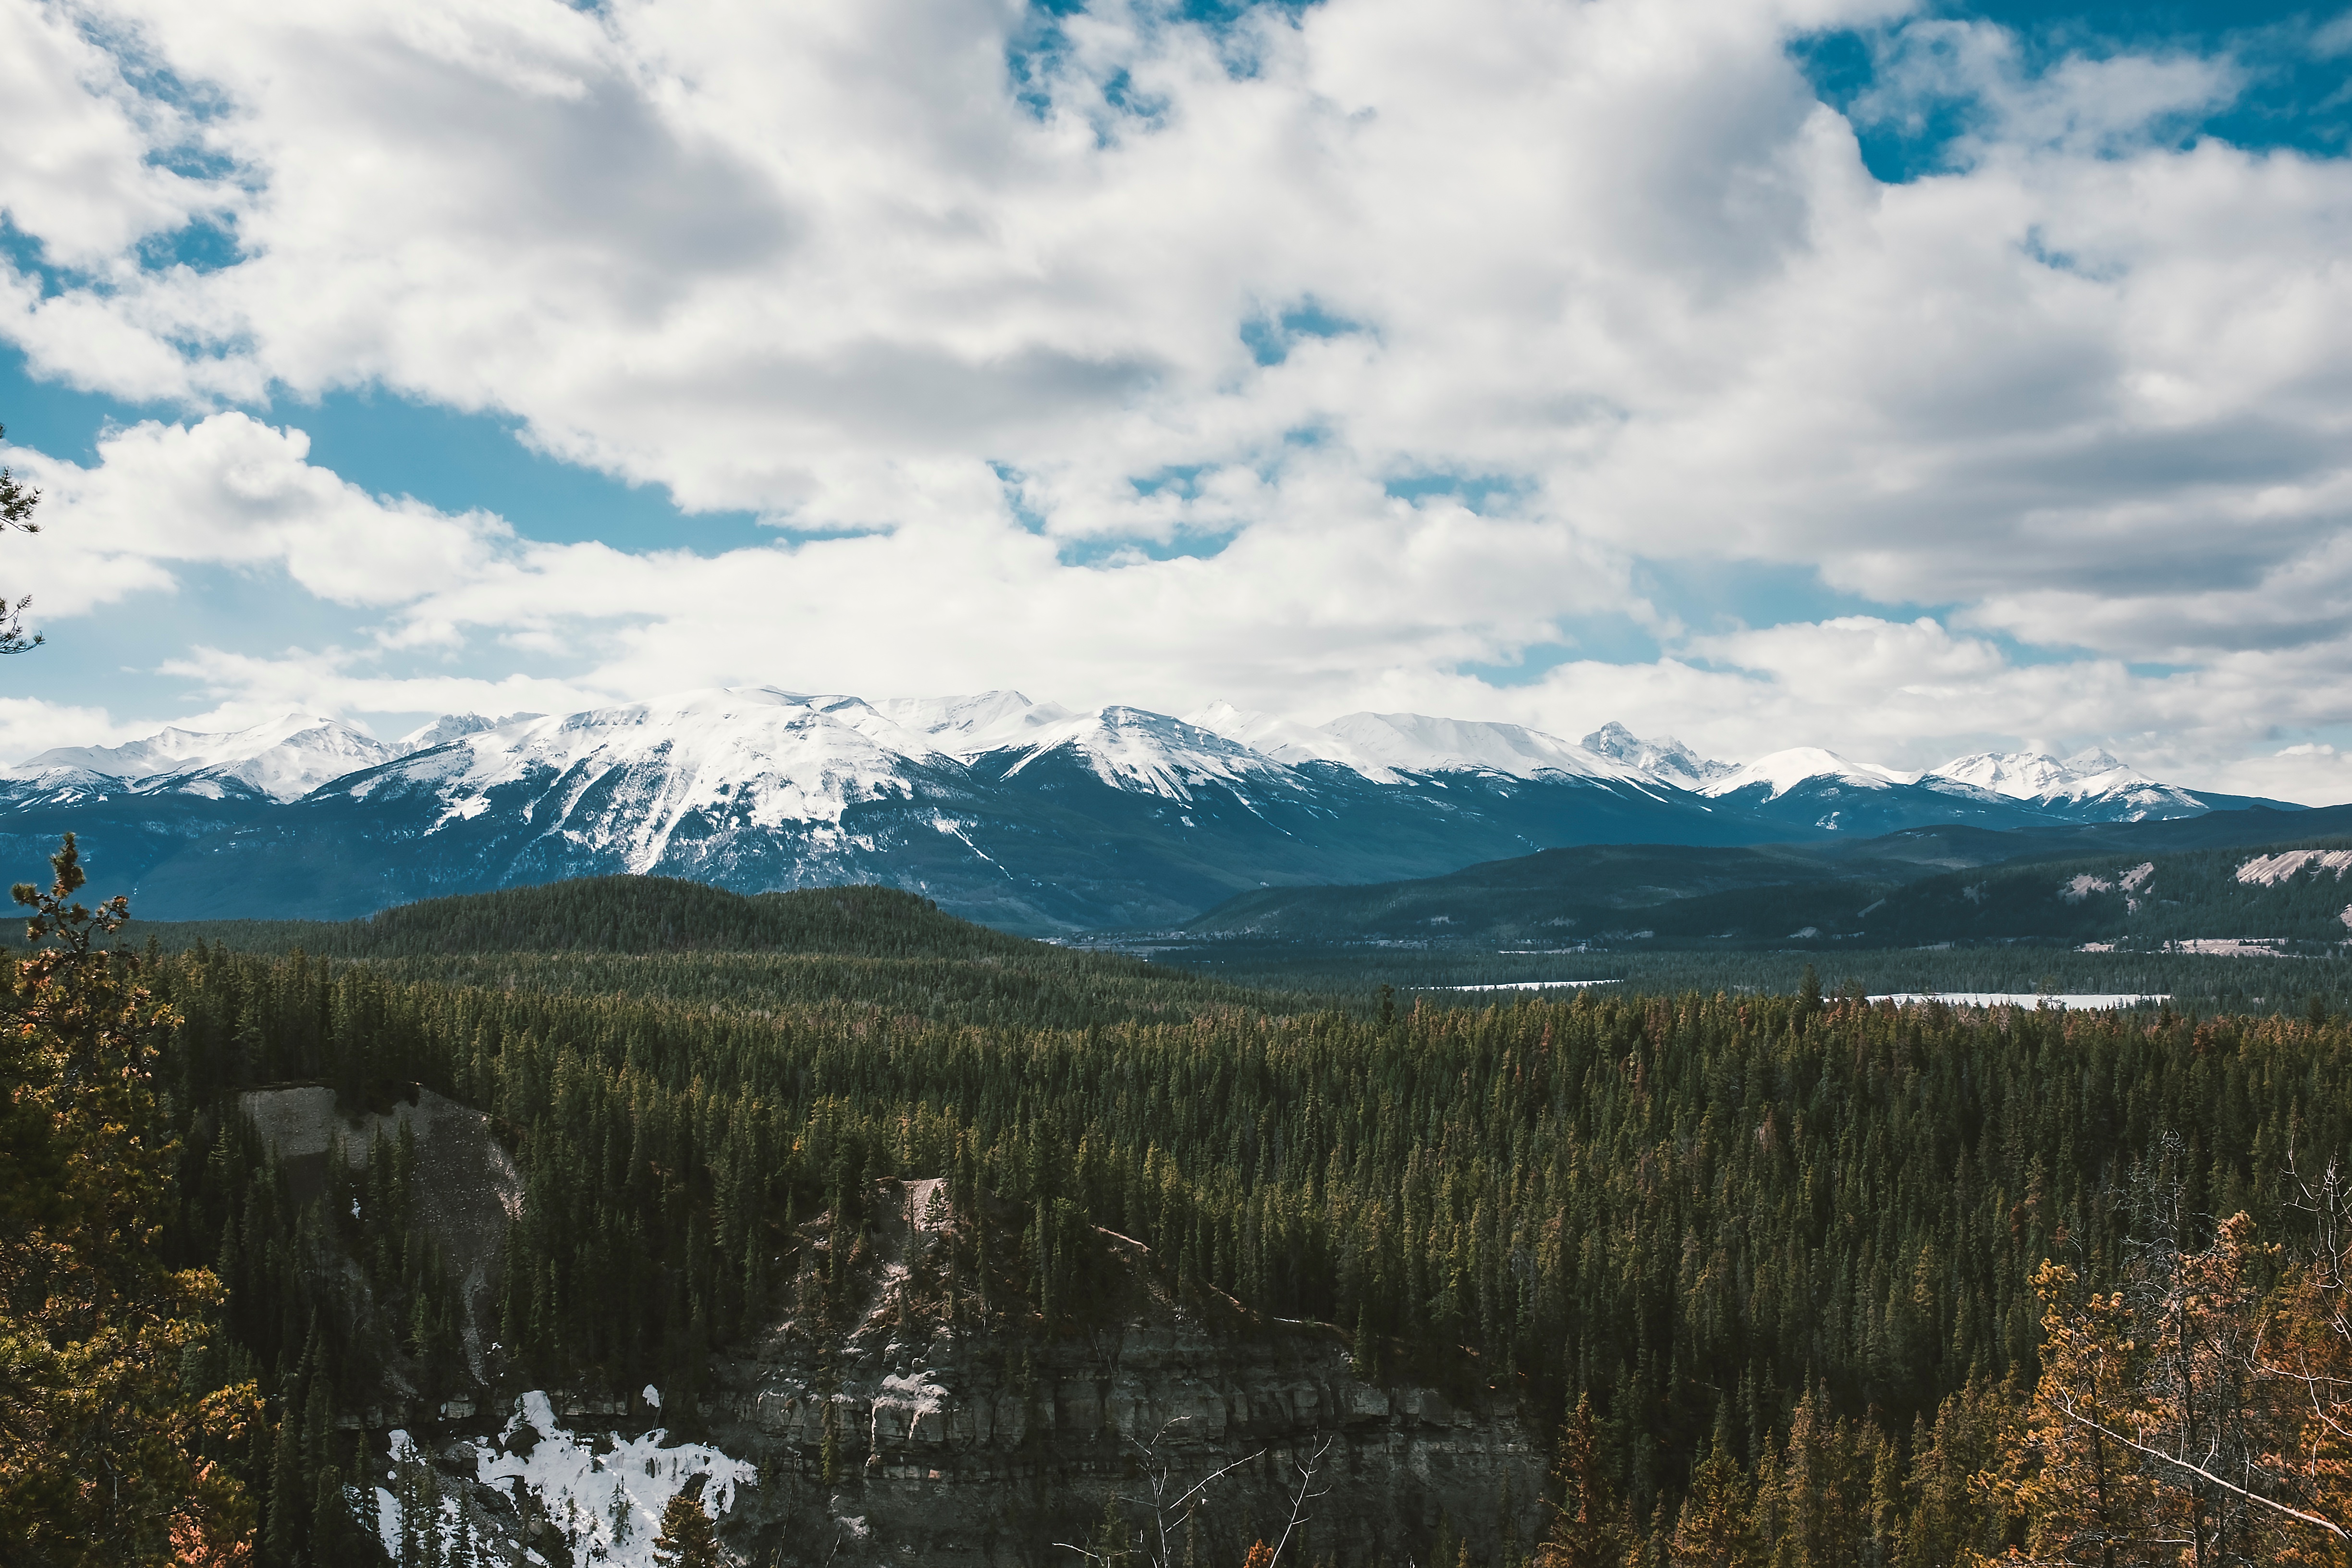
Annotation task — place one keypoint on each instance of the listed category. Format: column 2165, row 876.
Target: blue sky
column 1925, row 381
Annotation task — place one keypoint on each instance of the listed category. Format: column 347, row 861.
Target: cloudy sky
column 1908, row 380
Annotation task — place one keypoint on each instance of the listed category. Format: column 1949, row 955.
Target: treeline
column 1723, row 1222
column 2203, row 984
column 631, row 914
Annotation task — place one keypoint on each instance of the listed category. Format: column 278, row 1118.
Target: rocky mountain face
column 1024, row 815
column 953, row 1445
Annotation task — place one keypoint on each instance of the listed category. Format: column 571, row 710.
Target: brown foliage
column 104, row 1458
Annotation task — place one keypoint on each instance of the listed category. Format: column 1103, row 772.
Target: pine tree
column 16, row 504
column 1583, row 1532
column 1714, row 1530
column 686, row 1539
column 108, row 1454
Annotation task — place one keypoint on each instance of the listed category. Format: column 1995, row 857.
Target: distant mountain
column 1665, row 758
column 2221, row 882
column 2089, row 786
column 285, row 759
column 1025, row 814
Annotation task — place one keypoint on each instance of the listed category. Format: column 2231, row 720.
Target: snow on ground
column 2269, row 870
column 2091, row 1001
column 1525, row 985
column 2229, row 946
column 607, row 1505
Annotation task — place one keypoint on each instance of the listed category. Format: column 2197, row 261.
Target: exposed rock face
column 965, row 1454
column 918, row 1413
column 954, row 1446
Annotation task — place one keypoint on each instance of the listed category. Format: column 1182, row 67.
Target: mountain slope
column 284, row 759
column 2133, row 884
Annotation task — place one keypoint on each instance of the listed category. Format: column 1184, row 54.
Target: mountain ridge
column 1024, row 815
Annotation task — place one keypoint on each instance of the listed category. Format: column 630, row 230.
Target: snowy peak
column 621, row 782
column 968, row 726
column 2093, row 780
column 1286, row 741
column 2034, row 775
column 1415, row 743
column 1134, row 748
column 1664, row 758
column 1782, row 772
column 285, row 758
column 453, row 727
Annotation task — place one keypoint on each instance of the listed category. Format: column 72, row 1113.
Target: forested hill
column 628, row 914
column 1905, row 891
column 656, row 938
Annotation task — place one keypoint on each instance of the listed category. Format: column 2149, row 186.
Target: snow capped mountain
column 1384, row 746
column 1417, row 744
column 1288, row 741
column 2092, row 785
column 624, row 781
column 1021, row 813
column 451, row 727
column 285, row 758
column 1131, row 748
column 968, row 726
column 1664, row 758
column 1782, row 772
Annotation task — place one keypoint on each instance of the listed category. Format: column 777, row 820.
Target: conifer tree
column 1584, row 1532
column 686, row 1539
column 105, row 1455
column 16, row 504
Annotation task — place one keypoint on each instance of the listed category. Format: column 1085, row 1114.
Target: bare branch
column 1307, row 1469
column 2067, row 1410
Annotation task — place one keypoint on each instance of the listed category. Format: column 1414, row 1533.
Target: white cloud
column 231, row 491
column 842, row 264
column 28, row 725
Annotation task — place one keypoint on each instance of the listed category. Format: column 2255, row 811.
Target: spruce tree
column 686, row 1539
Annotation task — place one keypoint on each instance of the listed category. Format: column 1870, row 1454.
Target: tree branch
column 2203, row 1474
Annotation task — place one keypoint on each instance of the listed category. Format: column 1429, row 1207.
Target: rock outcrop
column 915, row 1437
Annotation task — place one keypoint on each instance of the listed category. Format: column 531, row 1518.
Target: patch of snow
column 651, row 1396
column 1526, row 985
column 611, row 1503
column 2269, row 870
column 2092, row 1001
column 2082, row 886
column 2229, row 946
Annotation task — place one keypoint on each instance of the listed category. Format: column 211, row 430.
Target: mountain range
column 1023, row 815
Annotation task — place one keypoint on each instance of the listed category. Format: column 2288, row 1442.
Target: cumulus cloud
column 1308, row 360
column 231, row 491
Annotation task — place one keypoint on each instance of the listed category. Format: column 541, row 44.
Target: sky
column 1909, row 380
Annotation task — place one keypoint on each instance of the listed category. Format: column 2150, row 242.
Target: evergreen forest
column 1792, row 1279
